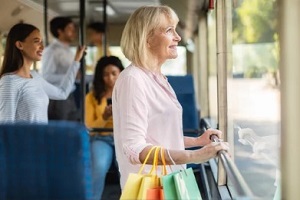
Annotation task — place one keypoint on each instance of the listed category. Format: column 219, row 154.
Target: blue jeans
column 102, row 149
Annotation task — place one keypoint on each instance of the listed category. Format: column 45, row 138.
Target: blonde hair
column 139, row 27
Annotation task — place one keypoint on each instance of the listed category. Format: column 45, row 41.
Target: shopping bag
column 157, row 193
column 137, row 185
column 180, row 184
column 132, row 187
column 186, row 185
column 168, row 184
column 148, row 182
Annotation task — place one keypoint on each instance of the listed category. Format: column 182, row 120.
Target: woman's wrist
column 180, row 157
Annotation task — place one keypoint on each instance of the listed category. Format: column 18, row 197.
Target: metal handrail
column 98, row 129
column 233, row 173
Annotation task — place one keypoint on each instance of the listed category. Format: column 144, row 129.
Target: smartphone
column 108, row 101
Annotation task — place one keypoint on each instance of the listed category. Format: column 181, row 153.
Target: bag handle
column 173, row 162
column 155, row 161
column 146, row 159
column 163, row 160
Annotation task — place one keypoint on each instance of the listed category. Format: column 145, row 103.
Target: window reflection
column 254, row 95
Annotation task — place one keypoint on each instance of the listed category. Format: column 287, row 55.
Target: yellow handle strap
column 146, row 159
column 163, row 160
column 155, row 161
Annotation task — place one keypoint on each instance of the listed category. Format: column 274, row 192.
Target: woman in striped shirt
column 24, row 95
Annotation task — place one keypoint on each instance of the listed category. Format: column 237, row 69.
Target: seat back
column 49, row 161
column 185, row 92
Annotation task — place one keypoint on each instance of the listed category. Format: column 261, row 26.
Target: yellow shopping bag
column 137, row 185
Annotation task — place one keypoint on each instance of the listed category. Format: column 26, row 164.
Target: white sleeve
column 55, row 64
column 62, row 92
column 8, row 101
column 131, row 109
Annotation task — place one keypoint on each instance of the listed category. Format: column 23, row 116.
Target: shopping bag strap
column 163, row 160
column 173, row 162
column 155, row 161
column 146, row 159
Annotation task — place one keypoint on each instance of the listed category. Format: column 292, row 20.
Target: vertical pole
column 203, row 74
column 223, row 19
column 105, row 29
column 195, row 71
column 46, row 22
column 290, row 97
column 82, row 62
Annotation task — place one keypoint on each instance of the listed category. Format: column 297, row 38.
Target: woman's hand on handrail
column 205, row 138
column 209, row 151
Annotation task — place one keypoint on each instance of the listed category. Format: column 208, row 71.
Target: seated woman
column 99, row 114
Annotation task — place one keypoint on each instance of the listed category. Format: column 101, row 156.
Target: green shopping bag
column 169, row 187
column 186, row 185
column 180, row 185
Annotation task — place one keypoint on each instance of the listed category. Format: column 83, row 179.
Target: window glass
column 254, row 95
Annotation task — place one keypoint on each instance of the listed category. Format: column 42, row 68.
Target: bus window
column 254, row 95
column 171, row 67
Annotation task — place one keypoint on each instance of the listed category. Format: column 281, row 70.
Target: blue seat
column 185, row 92
column 49, row 161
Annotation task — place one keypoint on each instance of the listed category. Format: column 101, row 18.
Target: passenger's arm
column 201, row 140
column 187, row 156
column 208, row 151
column 9, row 96
column 130, row 104
column 62, row 92
column 51, row 73
column 55, row 65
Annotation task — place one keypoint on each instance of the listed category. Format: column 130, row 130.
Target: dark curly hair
column 98, row 82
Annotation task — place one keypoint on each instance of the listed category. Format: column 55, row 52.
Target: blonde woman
column 145, row 108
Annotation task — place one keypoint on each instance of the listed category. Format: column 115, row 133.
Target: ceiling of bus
column 31, row 11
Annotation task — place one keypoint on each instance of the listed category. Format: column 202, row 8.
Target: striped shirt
column 27, row 99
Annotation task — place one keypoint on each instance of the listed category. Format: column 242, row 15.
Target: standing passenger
column 24, row 95
column 99, row 114
column 145, row 108
column 95, row 32
column 56, row 61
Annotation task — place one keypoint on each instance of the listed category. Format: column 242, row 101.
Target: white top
column 27, row 99
column 57, row 59
column 146, row 112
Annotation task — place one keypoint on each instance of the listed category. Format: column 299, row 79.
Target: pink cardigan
column 146, row 112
